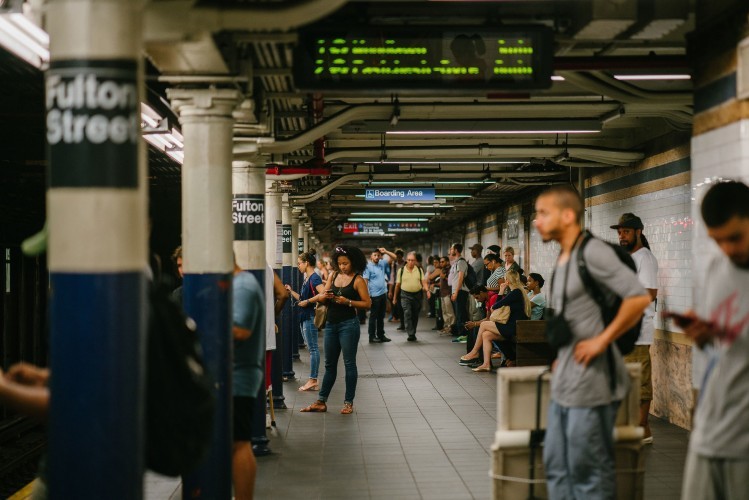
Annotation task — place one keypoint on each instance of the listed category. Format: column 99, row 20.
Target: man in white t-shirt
column 718, row 459
column 630, row 229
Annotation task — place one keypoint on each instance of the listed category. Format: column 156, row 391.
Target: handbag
column 321, row 315
column 500, row 315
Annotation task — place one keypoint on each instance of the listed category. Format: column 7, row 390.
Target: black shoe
column 384, row 339
column 411, row 338
column 401, row 328
column 260, row 450
column 375, row 340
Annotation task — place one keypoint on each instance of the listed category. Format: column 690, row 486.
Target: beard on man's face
column 628, row 246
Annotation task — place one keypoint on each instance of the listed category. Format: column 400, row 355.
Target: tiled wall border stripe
column 639, row 189
column 651, row 174
column 715, row 93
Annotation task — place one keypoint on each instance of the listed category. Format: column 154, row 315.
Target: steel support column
column 287, row 327
column 208, row 263
column 98, row 247
column 274, row 256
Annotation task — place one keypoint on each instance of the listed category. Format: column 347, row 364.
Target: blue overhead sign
column 400, row 194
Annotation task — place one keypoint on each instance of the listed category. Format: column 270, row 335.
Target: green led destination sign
column 424, row 58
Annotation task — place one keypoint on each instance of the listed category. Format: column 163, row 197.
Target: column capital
column 200, row 103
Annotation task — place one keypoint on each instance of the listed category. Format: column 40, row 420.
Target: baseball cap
column 629, row 220
column 477, row 246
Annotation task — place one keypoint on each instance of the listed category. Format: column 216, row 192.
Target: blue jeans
column 377, row 316
column 309, row 330
column 341, row 337
column 579, row 452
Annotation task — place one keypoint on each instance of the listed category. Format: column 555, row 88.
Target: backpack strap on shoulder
column 597, row 295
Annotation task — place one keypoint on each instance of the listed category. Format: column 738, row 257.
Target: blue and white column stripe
column 96, row 206
column 248, row 217
column 289, row 339
column 274, row 256
column 208, row 261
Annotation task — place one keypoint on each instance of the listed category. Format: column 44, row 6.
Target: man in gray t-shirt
column 579, row 447
column 718, row 459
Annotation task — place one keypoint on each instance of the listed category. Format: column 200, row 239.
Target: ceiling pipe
column 170, row 20
column 484, row 151
column 454, row 111
column 624, row 92
column 421, row 177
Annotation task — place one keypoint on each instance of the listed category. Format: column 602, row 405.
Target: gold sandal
column 309, row 387
column 316, row 407
column 348, row 409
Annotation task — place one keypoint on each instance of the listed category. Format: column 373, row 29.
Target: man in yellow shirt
column 409, row 285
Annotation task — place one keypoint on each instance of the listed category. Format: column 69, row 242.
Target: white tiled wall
column 543, row 256
column 668, row 224
column 723, row 152
column 513, row 217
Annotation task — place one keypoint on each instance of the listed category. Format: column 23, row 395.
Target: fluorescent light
column 477, row 127
column 429, row 183
column 487, row 132
column 384, row 219
column 394, row 213
column 39, row 35
column 557, row 78
column 448, row 162
column 653, row 77
column 20, row 43
column 438, row 196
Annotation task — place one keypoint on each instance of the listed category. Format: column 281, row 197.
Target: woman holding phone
column 307, row 297
column 345, row 292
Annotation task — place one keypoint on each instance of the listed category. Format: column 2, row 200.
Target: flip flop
column 309, row 388
column 316, row 407
column 481, row 369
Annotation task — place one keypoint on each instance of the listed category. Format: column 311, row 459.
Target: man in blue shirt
column 248, row 331
column 375, row 275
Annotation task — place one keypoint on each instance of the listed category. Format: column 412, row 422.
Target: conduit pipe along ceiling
column 406, row 154
column 476, row 127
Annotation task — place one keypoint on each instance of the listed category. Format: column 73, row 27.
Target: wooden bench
column 531, row 346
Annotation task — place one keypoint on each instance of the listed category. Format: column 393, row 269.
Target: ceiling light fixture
column 428, row 183
column 652, row 77
column 387, row 214
column 24, row 39
column 475, row 127
column 387, row 219
column 490, row 132
column 449, row 162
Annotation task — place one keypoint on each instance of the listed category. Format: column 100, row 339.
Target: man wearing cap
column 478, row 264
column 630, row 229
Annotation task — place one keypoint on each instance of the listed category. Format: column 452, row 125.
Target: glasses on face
column 340, row 250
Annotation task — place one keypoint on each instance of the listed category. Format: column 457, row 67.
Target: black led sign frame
column 450, row 59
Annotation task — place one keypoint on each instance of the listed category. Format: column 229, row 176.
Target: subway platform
column 422, row 427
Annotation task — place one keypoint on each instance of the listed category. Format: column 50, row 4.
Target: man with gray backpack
column 587, row 326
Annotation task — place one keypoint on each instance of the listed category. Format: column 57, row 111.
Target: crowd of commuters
column 480, row 302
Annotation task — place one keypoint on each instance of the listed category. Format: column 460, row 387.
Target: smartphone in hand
column 681, row 320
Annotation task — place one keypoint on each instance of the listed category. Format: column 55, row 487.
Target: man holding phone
column 718, row 459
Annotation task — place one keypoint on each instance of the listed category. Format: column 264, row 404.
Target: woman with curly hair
column 345, row 292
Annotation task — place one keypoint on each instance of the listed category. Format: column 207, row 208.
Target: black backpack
column 626, row 342
column 179, row 395
column 470, row 280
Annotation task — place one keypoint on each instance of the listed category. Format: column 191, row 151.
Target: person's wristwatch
column 349, row 302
